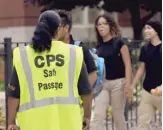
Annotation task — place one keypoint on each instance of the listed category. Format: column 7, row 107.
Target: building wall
column 16, row 14
column 18, row 21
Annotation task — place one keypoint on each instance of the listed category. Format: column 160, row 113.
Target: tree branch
column 135, row 19
column 147, row 17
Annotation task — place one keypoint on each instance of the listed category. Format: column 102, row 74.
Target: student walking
column 112, row 48
column 64, row 35
column 151, row 64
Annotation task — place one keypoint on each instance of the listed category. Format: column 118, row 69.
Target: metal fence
column 131, row 110
column 6, row 54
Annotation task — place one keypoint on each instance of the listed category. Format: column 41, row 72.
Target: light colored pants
column 148, row 105
column 112, row 93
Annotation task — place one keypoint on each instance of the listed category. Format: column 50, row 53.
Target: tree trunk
column 135, row 20
column 147, row 17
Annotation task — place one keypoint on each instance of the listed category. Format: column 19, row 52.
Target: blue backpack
column 100, row 65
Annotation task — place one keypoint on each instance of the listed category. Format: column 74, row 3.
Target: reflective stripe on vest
column 52, row 100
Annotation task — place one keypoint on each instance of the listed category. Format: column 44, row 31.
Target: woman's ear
column 56, row 33
column 67, row 28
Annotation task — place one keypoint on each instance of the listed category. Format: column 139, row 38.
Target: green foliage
column 133, row 6
column 2, row 86
column 2, row 119
column 63, row 4
column 109, row 5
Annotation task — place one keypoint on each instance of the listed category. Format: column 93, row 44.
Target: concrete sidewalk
column 2, row 101
column 155, row 124
column 2, row 95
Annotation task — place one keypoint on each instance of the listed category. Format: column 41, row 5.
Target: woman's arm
column 13, row 104
column 127, row 62
column 139, row 74
column 13, row 94
column 141, row 68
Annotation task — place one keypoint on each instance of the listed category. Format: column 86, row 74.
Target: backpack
column 100, row 65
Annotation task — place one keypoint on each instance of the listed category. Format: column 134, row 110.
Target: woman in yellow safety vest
column 47, row 81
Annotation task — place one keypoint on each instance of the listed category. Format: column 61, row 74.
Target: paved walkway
column 2, row 101
column 2, row 95
column 155, row 125
column 152, row 127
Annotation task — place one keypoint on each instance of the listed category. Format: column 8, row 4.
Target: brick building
column 18, row 21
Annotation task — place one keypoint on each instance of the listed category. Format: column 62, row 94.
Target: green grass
column 2, row 86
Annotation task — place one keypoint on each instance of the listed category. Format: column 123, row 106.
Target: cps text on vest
column 41, row 61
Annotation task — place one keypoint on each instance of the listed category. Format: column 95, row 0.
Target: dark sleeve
column 88, row 59
column 13, row 89
column 120, row 44
column 142, row 55
column 84, row 87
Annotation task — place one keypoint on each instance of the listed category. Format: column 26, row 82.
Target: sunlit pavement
column 2, row 101
column 155, row 124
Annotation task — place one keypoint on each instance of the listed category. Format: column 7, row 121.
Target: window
column 77, row 15
column 92, row 14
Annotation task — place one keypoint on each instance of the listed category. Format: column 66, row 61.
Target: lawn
column 2, row 85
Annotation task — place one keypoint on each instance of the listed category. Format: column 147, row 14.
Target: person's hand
column 131, row 94
column 86, row 124
column 128, row 91
column 13, row 127
column 157, row 91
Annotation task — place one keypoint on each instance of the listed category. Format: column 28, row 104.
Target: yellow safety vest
column 49, row 98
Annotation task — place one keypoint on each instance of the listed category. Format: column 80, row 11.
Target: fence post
column 126, row 114
column 137, row 47
column 8, row 69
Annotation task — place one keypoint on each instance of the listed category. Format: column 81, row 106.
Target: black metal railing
column 131, row 109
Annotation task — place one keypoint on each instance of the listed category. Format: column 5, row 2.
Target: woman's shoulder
column 118, row 39
column 97, row 46
column 101, row 45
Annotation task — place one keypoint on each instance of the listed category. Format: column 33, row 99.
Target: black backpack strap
column 115, row 44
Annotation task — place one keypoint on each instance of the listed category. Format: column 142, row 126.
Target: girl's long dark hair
column 46, row 28
column 114, row 30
